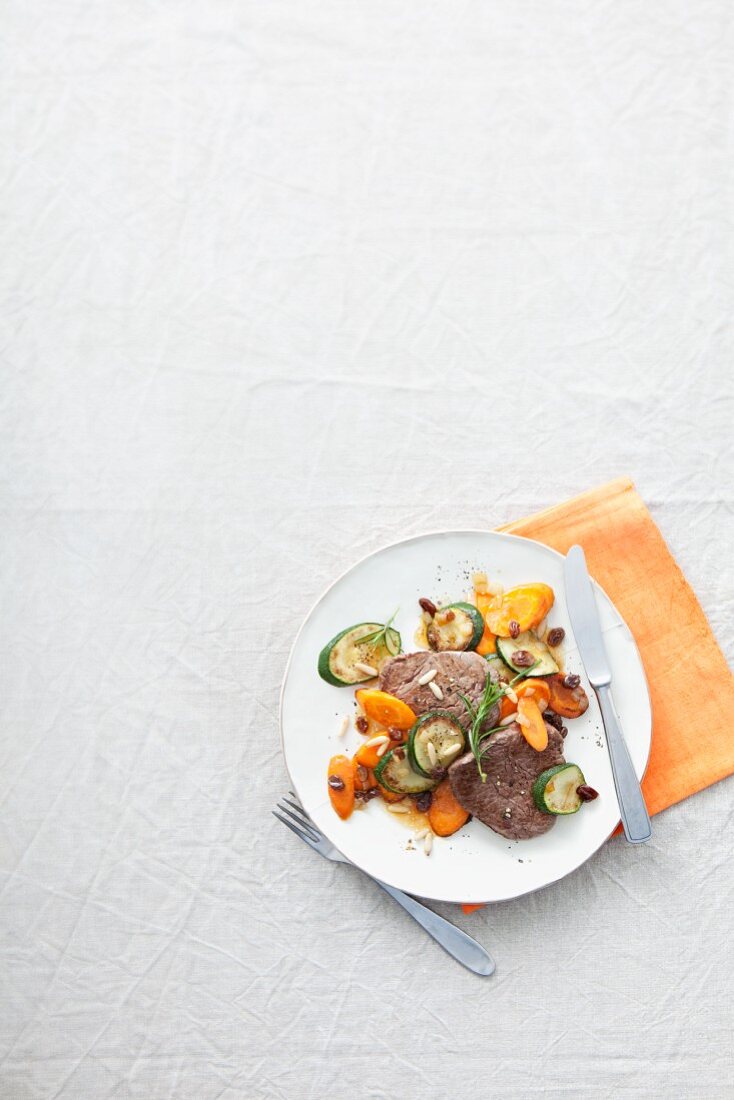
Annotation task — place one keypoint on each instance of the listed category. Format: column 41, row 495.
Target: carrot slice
column 526, row 689
column 389, row 796
column 568, row 702
column 445, row 815
column 367, row 754
column 527, row 605
column 385, row 708
column 532, row 724
column 368, row 781
column 342, row 798
column 507, row 707
column 534, row 689
column 485, row 602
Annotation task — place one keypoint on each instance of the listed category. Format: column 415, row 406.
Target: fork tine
column 296, row 804
column 301, row 812
column 303, row 825
column 299, row 833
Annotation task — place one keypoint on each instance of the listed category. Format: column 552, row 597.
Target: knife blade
column 584, row 616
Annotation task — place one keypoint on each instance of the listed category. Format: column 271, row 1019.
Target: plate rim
column 416, row 538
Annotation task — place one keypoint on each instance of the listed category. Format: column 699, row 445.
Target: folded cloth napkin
column 627, row 555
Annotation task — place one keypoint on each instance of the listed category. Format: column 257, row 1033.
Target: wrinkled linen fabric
column 283, row 282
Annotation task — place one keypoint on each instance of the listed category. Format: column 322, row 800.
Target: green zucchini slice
column 555, row 791
column 395, row 773
column 339, row 657
column 444, row 733
column 533, row 645
column 460, row 630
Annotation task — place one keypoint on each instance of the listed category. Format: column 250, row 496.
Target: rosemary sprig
column 379, row 637
column 493, row 692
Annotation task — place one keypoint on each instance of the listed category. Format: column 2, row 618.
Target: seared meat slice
column 505, row 801
column 455, row 672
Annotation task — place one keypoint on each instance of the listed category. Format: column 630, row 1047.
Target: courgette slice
column 555, row 791
column 395, row 773
column 460, row 630
column 531, row 644
column 339, row 657
column 441, row 730
column 499, row 670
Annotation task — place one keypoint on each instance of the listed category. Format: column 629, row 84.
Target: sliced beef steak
column 511, row 766
column 455, row 672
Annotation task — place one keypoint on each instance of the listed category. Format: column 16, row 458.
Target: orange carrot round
column 485, row 602
column 389, row 796
column 527, row 605
column 535, row 689
column 531, row 724
column 507, row 707
column 369, row 755
column 340, row 779
column 445, row 815
column 568, row 702
column 368, row 780
column 385, row 708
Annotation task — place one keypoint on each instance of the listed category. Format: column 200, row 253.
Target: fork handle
column 460, row 946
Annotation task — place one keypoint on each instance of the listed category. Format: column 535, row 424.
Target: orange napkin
column 627, row 555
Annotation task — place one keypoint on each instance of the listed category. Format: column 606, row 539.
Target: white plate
column 476, row 864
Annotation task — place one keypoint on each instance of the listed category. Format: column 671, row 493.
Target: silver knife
column 584, row 616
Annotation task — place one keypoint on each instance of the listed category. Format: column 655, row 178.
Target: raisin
column 336, row 783
column 572, row 680
column 396, row 734
column 555, row 636
column 362, row 724
column 423, row 802
column 428, row 606
column 514, row 628
column 586, row 793
column 521, row 658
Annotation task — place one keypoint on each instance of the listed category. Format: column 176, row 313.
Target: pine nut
column 432, row 755
column 382, row 749
column 509, row 719
column 427, row 677
column 397, row 808
column 383, row 739
column 428, row 843
column 436, row 690
column 451, row 752
column 344, row 726
column 368, row 670
column 511, row 694
column 421, row 834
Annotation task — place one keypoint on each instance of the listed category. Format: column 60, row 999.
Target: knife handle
column 632, row 808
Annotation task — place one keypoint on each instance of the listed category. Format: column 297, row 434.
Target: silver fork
column 460, row 946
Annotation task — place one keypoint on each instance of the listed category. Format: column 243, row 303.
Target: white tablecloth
column 282, row 282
